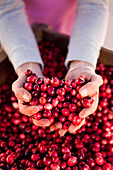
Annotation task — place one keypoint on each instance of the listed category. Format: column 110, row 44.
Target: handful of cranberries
column 58, row 100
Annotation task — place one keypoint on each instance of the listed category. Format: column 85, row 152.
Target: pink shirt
column 59, row 14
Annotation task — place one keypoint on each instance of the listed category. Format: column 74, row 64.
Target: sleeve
column 89, row 31
column 16, row 36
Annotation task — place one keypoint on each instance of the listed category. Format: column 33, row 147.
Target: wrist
column 78, row 63
column 35, row 67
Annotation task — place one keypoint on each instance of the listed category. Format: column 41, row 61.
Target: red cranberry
column 48, row 106
column 47, row 161
column 37, row 116
column 55, row 102
column 28, row 86
column 72, row 161
column 63, row 165
column 31, row 79
column 55, row 166
column 28, row 72
column 72, row 107
column 106, row 166
column 65, row 111
column 42, row 100
column 76, row 120
column 91, row 162
column 87, row 102
column 54, row 82
column 51, row 90
column 99, row 160
column 9, row 159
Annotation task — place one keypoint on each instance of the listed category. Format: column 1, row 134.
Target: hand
column 24, row 96
column 90, row 89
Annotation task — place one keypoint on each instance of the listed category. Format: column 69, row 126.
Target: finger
column 52, row 128
column 42, row 122
column 27, row 110
column 88, row 111
column 91, row 87
column 22, row 94
column 57, row 125
column 19, row 91
column 73, row 128
column 62, row 132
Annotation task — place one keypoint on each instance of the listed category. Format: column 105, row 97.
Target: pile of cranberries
column 53, row 58
column 24, row 146
column 58, row 100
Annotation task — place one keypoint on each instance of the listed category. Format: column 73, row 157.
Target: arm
column 16, row 35
column 20, row 45
column 89, row 31
column 87, row 37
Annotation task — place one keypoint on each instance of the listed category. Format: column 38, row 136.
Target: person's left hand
column 90, row 89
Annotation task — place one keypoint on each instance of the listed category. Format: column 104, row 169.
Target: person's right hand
column 24, row 96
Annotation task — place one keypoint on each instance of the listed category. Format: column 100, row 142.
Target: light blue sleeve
column 89, row 31
column 16, row 36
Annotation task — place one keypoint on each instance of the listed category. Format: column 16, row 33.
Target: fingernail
column 25, row 97
column 83, row 92
column 52, row 128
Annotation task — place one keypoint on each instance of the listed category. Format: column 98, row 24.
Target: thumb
column 20, row 92
column 42, row 122
column 92, row 87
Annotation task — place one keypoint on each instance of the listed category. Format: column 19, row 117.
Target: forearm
column 16, row 35
column 88, row 32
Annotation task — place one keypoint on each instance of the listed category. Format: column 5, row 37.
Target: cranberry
column 42, row 100
column 62, row 118
column 28, row 72
column 76, row 120
column 97, row 168
column 37, row 116
column 43, row 87
column 55, row 166
column 28, row 86
column 106, row 166
column 72, row 107
column 39, row 81
column 87, row 102
column 51, row 90
column 47, row 161
column 55, row 102
column 54, row 82
column 31, row 79
column 36, row 87
column 99, row 160
column 48, row 106
column 9, row 159
column 91, row 162
column 66, row 125
column 65, row 111
column 72, row 161
column 83, row 166
column 55, row 159
column 63, row 165
column 46, row 81
column 35, row 157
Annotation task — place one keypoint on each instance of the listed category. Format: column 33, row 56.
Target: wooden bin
column 44, row 32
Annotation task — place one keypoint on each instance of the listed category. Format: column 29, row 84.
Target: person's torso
column 59, row 14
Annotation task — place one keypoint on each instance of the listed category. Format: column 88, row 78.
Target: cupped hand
column 91, row 89
column 24, row 96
